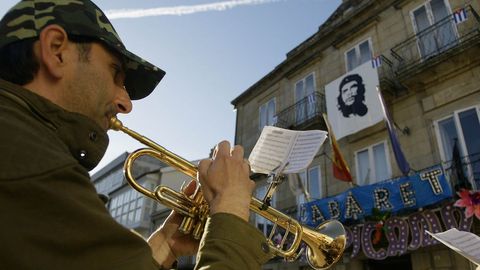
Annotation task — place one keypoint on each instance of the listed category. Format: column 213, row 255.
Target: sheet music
column 278, row 147
column 465, row 243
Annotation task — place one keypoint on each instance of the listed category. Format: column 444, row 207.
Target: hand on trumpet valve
column 168, row 243
column 225, row 181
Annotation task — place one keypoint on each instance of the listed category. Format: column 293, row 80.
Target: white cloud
column 182, row 10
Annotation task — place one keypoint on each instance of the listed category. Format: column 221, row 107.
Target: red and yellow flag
column 340, row 167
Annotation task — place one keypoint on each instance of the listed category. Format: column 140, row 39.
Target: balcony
column 305, row 113
column 388, row 80
column 466, row 170
column 436, row 44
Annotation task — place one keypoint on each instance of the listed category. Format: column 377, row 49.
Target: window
column 372, row 164
column 127, row 207
column 110, row 182
column 358, row 55
column 462, row 126
column 267, row 114
column 305, row 107
column 433, row 39
column 312, row 184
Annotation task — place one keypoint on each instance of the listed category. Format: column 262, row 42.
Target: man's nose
column 123, row 104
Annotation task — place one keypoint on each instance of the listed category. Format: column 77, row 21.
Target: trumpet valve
column 203, row 211
column 187, row 225
column 198, row 230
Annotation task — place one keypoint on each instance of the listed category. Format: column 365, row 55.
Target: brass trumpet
column 324, row 245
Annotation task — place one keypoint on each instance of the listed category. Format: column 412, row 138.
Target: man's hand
column 225, row 181
column 167, row 243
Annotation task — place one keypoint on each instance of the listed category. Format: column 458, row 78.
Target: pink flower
column 471, row 201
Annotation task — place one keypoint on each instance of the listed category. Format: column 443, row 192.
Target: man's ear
column 54, row 48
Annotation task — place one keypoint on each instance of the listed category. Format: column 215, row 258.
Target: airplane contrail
column 182, row 10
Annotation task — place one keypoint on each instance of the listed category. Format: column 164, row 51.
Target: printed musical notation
column 285, row 151
column 464, row 243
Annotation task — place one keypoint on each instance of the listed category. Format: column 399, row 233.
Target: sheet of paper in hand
column 285, row 151
column 465, row 243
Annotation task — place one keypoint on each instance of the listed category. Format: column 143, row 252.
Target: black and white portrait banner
column 352, row 101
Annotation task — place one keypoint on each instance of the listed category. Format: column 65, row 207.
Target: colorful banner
column 419, row 190
column 352, row 101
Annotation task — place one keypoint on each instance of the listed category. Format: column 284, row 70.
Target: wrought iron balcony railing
column 464, row 171
column 449, row 36
column 303, row 112
column 388, row 80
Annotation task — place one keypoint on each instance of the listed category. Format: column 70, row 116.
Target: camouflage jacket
column 52, row 217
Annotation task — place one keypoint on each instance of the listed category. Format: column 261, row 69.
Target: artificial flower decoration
column 380, row 230
column 377, row 236
column 471, row 201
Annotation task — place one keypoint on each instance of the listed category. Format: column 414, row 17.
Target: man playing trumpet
column 64, row 72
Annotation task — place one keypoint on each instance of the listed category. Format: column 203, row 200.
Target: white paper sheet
column 278, row 147
column 465, row 243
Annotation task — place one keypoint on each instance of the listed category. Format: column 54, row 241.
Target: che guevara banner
column 352, row 101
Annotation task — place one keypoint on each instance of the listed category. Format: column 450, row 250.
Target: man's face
column 96, row 87
column 349, row 91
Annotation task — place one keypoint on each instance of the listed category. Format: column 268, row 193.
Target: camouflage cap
column 80, row 18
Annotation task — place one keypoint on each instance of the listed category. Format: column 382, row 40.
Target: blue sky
column 212, row 51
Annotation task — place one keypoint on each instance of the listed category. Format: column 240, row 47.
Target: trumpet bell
column 328, row 243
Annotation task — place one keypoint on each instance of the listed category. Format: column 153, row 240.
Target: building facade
column 132, row 209
column 129, row 207
column 425, row 59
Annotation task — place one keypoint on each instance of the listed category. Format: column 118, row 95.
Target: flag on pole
column 397, row 150
column 460, row 15
column 376, row 62
column 461, row 180
column 340, row 167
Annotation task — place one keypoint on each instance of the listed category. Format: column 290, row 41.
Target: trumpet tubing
column 325, row 244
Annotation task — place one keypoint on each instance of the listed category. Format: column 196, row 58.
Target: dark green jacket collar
column 85, row 139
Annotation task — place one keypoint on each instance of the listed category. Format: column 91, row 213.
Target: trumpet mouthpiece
column 115, row 124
